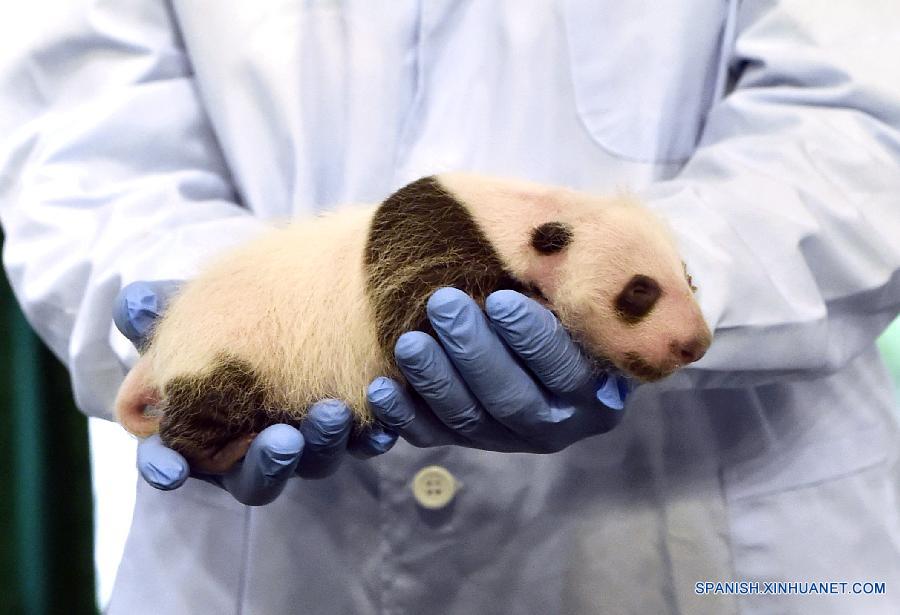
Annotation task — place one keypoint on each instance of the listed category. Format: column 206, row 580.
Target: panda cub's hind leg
column 212, row 418
column 135, row 395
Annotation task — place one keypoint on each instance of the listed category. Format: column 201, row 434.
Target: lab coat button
column 434, row 487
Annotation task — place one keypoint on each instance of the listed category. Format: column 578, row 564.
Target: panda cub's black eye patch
column 637, row 298
column 551, row 237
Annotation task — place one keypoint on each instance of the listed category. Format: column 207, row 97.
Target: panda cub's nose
column 688, row 351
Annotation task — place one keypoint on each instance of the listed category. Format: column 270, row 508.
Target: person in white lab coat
column 139, row 138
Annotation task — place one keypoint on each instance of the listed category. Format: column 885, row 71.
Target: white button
column 434, row 487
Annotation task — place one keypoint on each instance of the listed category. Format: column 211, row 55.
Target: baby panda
column 313, row 310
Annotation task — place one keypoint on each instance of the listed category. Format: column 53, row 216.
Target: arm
column 788, row 211
column 110, row 171
column 111, row 174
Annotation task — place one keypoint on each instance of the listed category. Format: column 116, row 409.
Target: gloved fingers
column 431, row 373
column 493, row 375
column 400, row 412
column 326, row 430
column 372, row 441
column 263, row 473
column 538, row 338
column 138, row 305
column 159, row 465
column 593, row 409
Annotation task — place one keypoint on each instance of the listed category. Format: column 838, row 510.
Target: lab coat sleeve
column 109, row 173
column 788, row 213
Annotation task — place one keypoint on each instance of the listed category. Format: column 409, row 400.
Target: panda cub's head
column 607, row 267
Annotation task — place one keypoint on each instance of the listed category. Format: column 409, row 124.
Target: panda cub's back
column 290, row 308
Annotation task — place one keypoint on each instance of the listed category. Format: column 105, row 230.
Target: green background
column 46, row 525
column 46, row 561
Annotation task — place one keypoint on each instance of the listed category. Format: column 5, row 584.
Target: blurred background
column 46, row 522
column 46, row 508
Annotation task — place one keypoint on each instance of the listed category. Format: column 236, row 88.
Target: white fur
column 615, row 238
column 291, row 303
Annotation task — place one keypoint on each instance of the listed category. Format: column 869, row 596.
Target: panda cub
column 313, row 310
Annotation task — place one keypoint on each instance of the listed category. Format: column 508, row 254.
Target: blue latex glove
column 509, row 381
column 276, row 454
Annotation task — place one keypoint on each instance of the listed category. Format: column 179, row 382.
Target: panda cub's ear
column 551, row 237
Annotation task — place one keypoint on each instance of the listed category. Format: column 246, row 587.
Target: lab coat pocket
column 645, row 73
column 806, row 465
column 822, row 513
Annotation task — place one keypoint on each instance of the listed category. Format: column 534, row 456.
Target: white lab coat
column 139, row 138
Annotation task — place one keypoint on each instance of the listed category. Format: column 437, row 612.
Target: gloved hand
column 276, row 454
column 509, row 381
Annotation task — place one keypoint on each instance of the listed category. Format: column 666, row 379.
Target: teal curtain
column 46, row 524
column 889, row 343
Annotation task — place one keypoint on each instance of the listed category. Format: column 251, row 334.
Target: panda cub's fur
column 313, row 310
